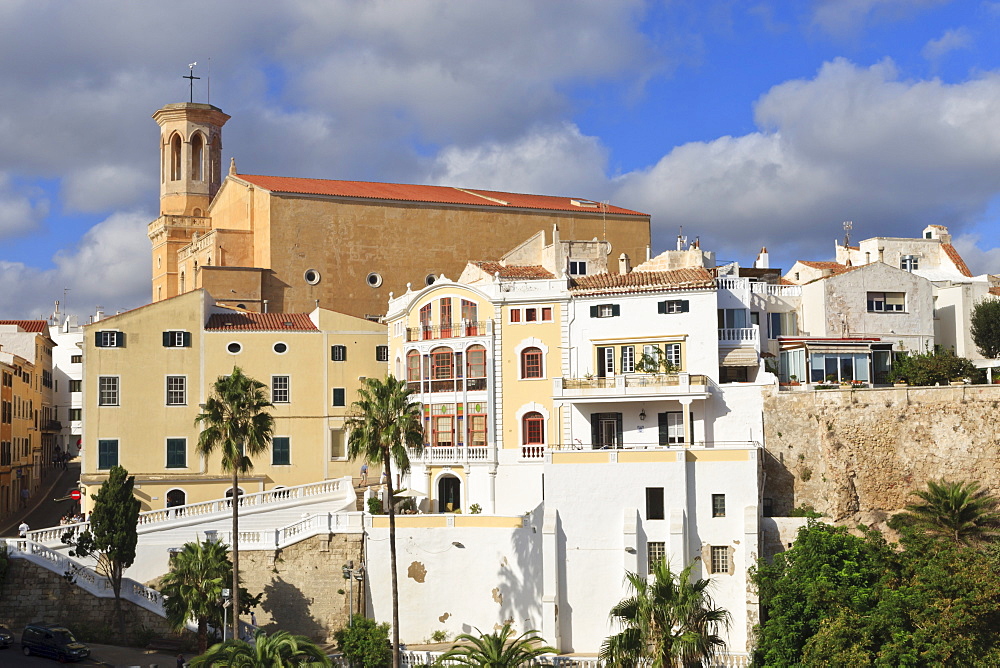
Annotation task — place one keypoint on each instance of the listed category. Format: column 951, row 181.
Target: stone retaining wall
column 855, row 455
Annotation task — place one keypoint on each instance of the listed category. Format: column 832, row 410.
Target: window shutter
column 616, row 309
column 166, row 339
column 187, row 339
column 338, row 396
column 621, row 427
column 120, row 339
column 600, row 362
column 661, row 307
column 97, row 339
column 593, row 311
column 595, row 429
column 661, row 419
column 685, row 306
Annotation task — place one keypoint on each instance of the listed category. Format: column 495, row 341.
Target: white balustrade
column 740, row 334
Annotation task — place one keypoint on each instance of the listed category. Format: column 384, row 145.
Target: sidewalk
column 43, row 511
column 124, row 657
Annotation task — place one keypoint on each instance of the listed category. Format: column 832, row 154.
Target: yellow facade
column 263, row 245
column 149, row 427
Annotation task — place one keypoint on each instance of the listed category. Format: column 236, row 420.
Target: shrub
column 374, row 505
column 932, row 368
column 365, row 643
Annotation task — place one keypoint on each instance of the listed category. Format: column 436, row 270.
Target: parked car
column 52, row 641
column 6, row 638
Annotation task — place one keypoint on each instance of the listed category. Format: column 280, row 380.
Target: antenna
column 848, row 226
column 191, row 77
column 209, row 80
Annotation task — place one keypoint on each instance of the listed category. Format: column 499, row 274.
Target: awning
column 839, row 347
column 409, row 493
column 739, row 357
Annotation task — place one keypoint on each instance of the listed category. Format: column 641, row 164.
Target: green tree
column 193, row 586
column 984, row 326
column 669, row 619
column 112, row 535
column 957, row 511
column 365, row 643
column 277, row 650
column 235, row 420
column 383, row 425
column 826, row 581
column 496, row 650
column 932, row 368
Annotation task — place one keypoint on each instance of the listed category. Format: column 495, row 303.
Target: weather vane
column 191, row 77
column 848, row 226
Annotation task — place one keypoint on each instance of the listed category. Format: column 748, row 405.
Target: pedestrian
column 23, row 529
column 180, row 661
column 364, row 474
column 24, row 497
column 253, row 618
column 385, row 477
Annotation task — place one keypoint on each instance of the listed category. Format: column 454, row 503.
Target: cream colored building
column 147, row 371
column 280, row 244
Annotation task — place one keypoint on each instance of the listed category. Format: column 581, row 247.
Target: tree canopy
column 500, row 649
column 937, row 367
column 985, row 327
column 958, row 511
column 277, row 650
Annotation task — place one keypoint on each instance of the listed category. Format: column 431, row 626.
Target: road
column 43, row 508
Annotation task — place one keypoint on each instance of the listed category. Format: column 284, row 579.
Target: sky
column 749, row 124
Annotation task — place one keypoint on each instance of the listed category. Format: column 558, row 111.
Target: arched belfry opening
column 197, row 157
column 176, row 146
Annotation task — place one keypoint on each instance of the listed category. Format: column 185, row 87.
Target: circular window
column 374, row 280
column 311, row 276
column 280, row 348
column 234, row 348
column 429, row 279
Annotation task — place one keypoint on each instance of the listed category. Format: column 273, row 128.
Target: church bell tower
column 190, row 176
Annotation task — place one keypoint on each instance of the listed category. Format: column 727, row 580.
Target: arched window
column 175, row 158
column 533, row 429
column 442, row 370
column 182, row 282
column 413, row 370
column 531, row 363
column 197, row 157
column 475, row 372
column 176, row 497
column 449, row 494
column 214, row 158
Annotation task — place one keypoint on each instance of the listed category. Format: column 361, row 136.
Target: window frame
column 182, row 456
column 338, row 353
column 656, row 551
column 109, row 338
column 107, row 449
column 343, row 396
column 655, row 505
column 672, row 306
column 113, row 393
column 532, row 363
column 285, row 392
column 182, row 392
column 872, row 301
column 719, row 561
column 381, row 353
column 605, row 310
column 176, row 338
column 533, row 428
column 577, row 267
column 718, row 505
column 286, row 450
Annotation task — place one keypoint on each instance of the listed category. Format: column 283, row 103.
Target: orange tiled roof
column 824, row 265
column 260, row 322
column 693, row 278
column 436, row 194
column 492, row 267
column 995, row 291
column 953, row 255
column 38, row 326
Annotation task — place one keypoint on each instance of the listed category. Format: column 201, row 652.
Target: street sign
column 75, row 495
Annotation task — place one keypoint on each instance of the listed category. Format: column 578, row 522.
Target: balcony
column 51, row 425
column 638, row 385
column 451, row 331
column 450, row 454
column 449, row 385
column 738, row 336
column 758, row 288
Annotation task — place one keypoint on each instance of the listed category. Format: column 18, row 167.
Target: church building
column 283, row 244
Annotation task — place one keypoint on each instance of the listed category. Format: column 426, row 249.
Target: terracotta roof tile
column 693, row 278
column 39, row 326
column 423, row 193
column 260, row 322
column 953, row 255
column 824, row 265
column 995, row 291
column 492, row 267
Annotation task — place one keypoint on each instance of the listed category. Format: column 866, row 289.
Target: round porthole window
column 311, row 276
column 374, row 280
column 280, row 348
column 429, row 279
column 234, row 348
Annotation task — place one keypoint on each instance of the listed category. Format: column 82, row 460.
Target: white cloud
column 852, row 143
column 109, row 267
column 951, row 40
column 980, row 260
column 104, row 187
column 20, row 209
column 845, row 18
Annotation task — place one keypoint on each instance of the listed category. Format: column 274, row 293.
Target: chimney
column 624, row 265
column 762, row 261
column 99, row 315
column 868, row 257
column 265, row 306
column 881, row 253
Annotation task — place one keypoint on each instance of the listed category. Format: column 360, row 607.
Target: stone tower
column 190, row 175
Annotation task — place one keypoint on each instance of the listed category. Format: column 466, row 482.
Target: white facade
column 67, row 372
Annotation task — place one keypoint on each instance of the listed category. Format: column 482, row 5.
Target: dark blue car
column 52, row 641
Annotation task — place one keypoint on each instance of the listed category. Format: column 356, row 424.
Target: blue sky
column 749, row 123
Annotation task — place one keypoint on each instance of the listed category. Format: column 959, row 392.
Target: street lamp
column 225, row 611
column 350, row 574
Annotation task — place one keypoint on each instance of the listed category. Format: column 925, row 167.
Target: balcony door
column 606, row 430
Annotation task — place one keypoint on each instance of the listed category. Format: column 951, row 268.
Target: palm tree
column 236, row 421
column 384, row 424
column 496, row 650
column 668, row 619
column 267, row 651
column 958, row 511
column 193, row 587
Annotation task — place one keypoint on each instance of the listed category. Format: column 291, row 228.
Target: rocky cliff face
column 855, row 455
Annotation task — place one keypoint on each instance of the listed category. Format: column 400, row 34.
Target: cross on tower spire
column 191, row 77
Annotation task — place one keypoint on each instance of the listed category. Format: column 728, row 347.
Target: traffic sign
column 75, row 495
